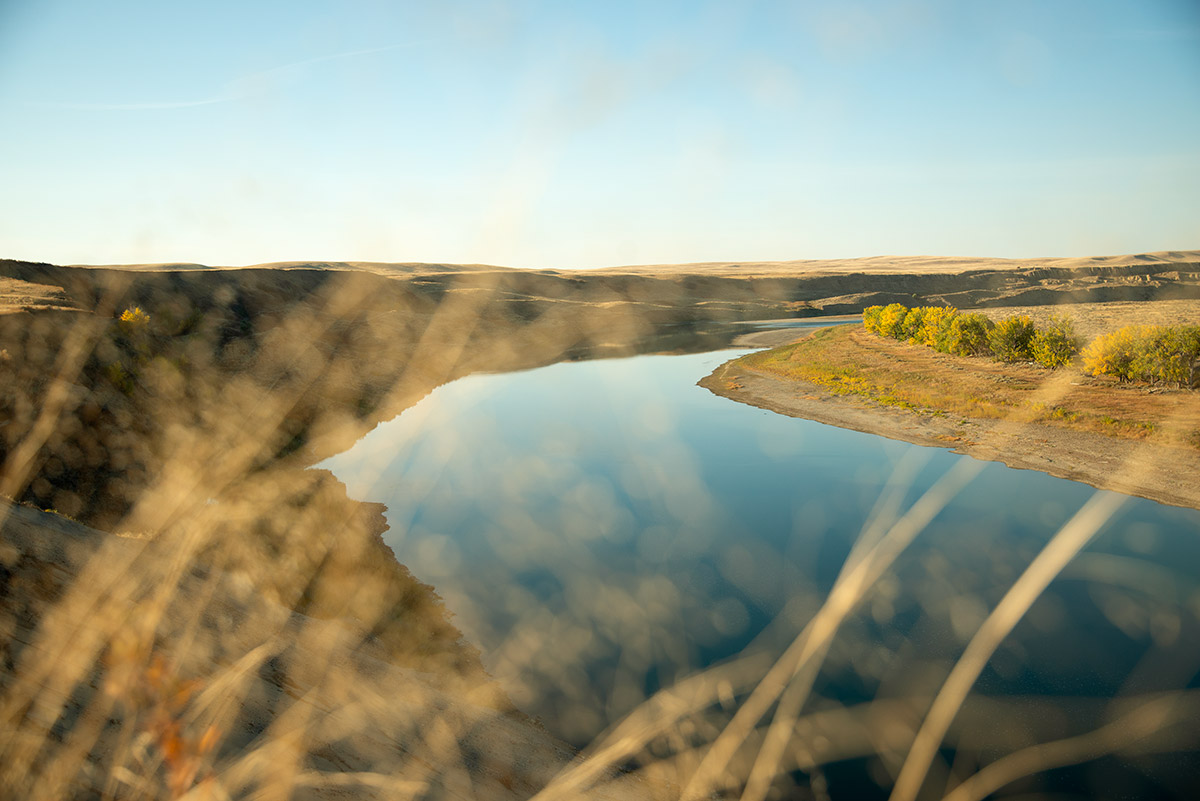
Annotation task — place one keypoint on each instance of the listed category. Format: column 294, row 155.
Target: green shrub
column 966, row 335
column 1056, row 345
column 1011, row 339
column 1176, row 355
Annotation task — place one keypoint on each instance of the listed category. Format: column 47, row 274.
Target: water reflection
column 601, row 529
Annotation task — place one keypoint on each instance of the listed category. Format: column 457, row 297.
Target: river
column 601, row 529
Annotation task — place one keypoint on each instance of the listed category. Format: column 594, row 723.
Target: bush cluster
column 1153, row 353
column 948, row 330
column 886, row 321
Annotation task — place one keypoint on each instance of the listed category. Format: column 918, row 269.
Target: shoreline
column 1139, row 468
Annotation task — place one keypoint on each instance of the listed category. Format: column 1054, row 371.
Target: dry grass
column 849, row 360
column 1093, row 319
column 255, row 639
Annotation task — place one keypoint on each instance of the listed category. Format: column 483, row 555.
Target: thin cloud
column 1151, row 35
column 130, row 106
column 348, row 54
column 237, row 89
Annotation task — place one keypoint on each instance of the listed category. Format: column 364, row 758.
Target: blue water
column 600, row 529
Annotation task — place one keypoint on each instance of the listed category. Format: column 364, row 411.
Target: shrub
column 922, row 324
column 936, row 322
column 891, row 320
column 1113, row 354
column 1057, row 344
column 966, row 335
column 914, row 324
column 871, row 316
column 1156, row 354
column 1176, row 353
column 1011, row 339
column 134, row 320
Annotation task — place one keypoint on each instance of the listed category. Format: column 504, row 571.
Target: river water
column 601, row 529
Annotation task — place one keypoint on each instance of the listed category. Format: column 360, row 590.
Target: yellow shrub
column 1158, row 354
column 871, row 316
column 936, row 320
column 134, row 319
column 966, row 335
column 891, row 320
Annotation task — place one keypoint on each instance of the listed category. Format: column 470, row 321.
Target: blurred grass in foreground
column 242, row 632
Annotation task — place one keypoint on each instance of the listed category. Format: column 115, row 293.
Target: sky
column 574, row 134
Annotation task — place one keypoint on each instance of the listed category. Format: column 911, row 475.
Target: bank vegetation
column 962, row 376
column 1154, row 354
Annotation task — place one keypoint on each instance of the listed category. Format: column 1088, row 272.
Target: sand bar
column 1137, row 467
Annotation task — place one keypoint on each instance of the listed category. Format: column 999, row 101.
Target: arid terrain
column 1136, row 439
column 158, row 493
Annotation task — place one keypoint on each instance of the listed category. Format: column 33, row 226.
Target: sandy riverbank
column 1142, row 467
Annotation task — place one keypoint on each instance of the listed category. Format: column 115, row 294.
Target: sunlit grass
column 846, row 361
column 255, row 638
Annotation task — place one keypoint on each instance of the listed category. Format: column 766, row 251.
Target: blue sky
column 573, row 134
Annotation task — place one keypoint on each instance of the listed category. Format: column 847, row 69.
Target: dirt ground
column 1093, row 319
column 17, row 296
column 1137, row 440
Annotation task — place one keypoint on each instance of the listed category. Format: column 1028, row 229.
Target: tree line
column 1154, row 354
